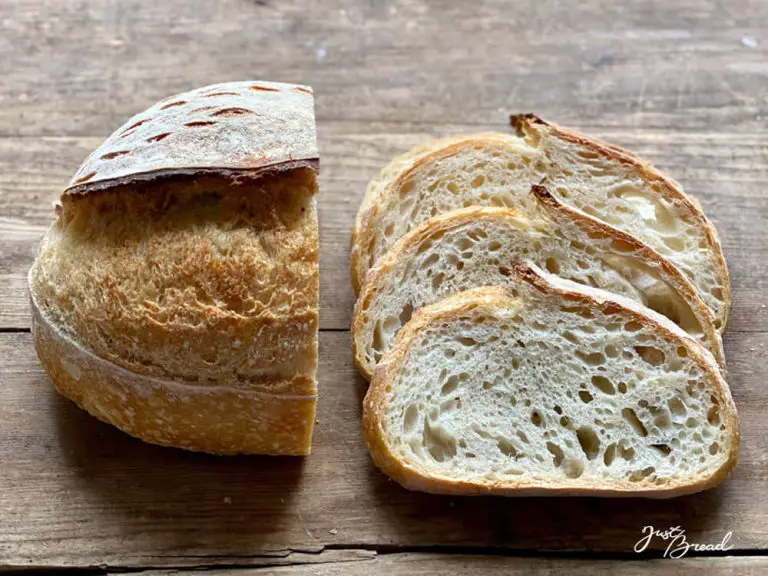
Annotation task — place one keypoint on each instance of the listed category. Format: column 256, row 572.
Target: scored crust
column 558, row 213
column 494, row 297
column 231, row 127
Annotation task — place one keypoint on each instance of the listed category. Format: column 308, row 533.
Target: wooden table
column 684, row 84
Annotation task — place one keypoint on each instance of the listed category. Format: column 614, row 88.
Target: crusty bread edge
column 384, row 264
column 414, row 480
column 362, row 233
column 668, row 271
column 93, row 383
column 670, row 189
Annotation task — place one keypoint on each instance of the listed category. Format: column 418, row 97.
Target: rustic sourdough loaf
column 549, row 387
column 499, row 169
column 175, row 295
column 475, row 246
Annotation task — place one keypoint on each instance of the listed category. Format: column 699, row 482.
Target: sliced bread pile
column 540, row 313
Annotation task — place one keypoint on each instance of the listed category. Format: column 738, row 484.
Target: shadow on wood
column 144, row 486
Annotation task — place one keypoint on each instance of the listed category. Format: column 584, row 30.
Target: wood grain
column 680, row 83
column 450, row 564
column 75, row 492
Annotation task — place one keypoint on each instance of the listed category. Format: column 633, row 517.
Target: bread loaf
column 476, row 246
column 547, row 387
column 175, row 295
column 499, row 170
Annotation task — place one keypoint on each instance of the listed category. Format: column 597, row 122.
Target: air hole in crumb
column 589, row 441
column 450, row 386
column 487, row 385
column 506, row 447
column 557, row 453
column 626, row 451
column 585, row 396
column 593, row 359
column 623, row 387
column 714, row 448
column 493, row 246
column 558, row 410
column 611, row 351
column 676, row 406
column 639, row 475
column 410, row 418
column 573, row 468
column 536, row 418
column 652, row 355
column 713, row 416
column 389, row 230
column 603, row 384
column 405, row 314
column 631, row 418
column 199, row 123
column 609, row 455
column 552, row 265
column 633, row 326
column 663, row 448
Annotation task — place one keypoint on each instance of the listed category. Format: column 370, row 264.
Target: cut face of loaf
column 499, row 170
column 476, row 246
column 549, row 388
column 176, row 294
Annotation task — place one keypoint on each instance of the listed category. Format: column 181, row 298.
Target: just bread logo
column 678, row 545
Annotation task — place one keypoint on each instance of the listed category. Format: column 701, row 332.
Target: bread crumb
column 333, row 531
column 227, row 500
column 282, row 500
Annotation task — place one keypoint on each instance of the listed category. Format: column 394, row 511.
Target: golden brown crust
column 497, row 296
column 528, row 128
column 555, row 210
column 181, row 275
column 671, row 274
column 214, row 419
column 363, row 231
column 666, row 187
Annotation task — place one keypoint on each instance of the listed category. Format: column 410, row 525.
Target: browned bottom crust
column 203, row 418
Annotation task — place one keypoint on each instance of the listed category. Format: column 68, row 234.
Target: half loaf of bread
column 548, row 387
column 175, row 295
column 499, row 169
column 476, row 246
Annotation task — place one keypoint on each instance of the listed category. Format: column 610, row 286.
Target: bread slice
column 547, row 387
column 499, row 169
column 475, row 246
column 175, row 296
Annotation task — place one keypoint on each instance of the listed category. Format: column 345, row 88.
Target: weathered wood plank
column 451, row 564
column 76, row 492
column 727, row 172
column 80, row 68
